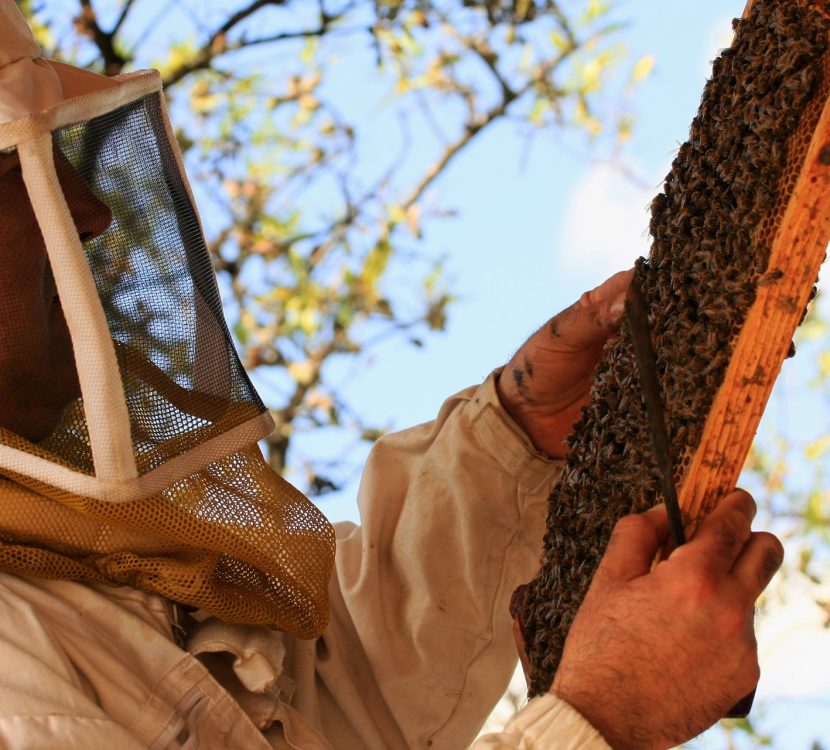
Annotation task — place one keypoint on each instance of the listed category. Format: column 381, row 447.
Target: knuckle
column 733, row 531
column 744, row 503
column 627, row 527
column 731, row 623
column 771, row 561
column 628, row 524
column 586, row 299
column 701, row 589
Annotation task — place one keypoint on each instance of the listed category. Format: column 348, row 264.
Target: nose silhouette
column 91, row 216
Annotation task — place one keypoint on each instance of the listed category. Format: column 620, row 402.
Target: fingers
column 634, row 544
column 520, row 647
column 758, row 562
column 517, row 605
column 722, row 535
column 612, row 290
column 595, row 315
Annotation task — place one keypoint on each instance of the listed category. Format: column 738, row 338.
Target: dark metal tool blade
column 637, row 312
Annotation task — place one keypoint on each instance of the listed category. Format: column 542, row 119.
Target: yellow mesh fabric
column 234, row 539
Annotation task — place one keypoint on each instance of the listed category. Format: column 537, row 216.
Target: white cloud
column 607, row 223
column 794, row 649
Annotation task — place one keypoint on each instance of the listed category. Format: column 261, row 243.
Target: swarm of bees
column 712, row 228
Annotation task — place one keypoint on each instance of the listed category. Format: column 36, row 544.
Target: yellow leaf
column 396, row 213
column 625, row 127
column 818, row 447
column 376, row 261
column 309, row 50
column 595, row 9
column 559, row 41
column 308, row 321
column 642, row 68
column 583, row 117
column 527, row 57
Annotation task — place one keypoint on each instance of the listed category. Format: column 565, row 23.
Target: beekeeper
column 162, row 587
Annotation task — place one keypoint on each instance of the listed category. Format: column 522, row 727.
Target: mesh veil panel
column 183, row 380
column 234, row 539
column 223, row 532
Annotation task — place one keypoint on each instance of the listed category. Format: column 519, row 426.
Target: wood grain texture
column 798, row 250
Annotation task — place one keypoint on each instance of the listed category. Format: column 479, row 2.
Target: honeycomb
column 712, row 229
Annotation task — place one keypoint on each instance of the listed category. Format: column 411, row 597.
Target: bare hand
column 547, row 382
column 655, row 657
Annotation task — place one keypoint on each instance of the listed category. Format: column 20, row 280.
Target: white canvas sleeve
column 545, row 722
column 420, row 644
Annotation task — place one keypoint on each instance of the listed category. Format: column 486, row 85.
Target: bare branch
column 153, row 23
column 430, row 118
column 217, row 43
column 489, row 57
column 477, row 124
column 128, row 4
column 87, row 24
column 472, row 129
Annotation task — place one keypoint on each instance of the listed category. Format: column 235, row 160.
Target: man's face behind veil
column 38, row 378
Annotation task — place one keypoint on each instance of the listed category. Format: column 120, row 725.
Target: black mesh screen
column 183, row 379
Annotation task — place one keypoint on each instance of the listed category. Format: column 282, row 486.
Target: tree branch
column 476, row 125
column 217, row 43
column 87, row 24
column 128, row 4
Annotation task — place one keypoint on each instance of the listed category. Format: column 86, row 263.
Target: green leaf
column 377, row 259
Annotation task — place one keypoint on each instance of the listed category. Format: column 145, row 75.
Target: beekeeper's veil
column 128, row 427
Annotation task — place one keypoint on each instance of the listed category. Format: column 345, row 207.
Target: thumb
column 596, row 314
column 634, row 543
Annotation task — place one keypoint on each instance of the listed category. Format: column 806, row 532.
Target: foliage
column 316, row 198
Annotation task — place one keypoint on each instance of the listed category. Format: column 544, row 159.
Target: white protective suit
column 418, row 650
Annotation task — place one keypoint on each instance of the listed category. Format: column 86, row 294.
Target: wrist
column 546, row 427
column 620, row 734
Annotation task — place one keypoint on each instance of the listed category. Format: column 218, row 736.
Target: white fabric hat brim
column 76, row 81
column 27, row 86
column 30, row 83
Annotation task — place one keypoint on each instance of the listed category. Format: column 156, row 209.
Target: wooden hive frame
column 798, row 250
column 792, row 230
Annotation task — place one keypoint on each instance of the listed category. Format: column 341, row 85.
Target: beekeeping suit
column 160, row 585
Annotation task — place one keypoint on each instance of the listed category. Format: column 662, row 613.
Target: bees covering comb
column 739, row 233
